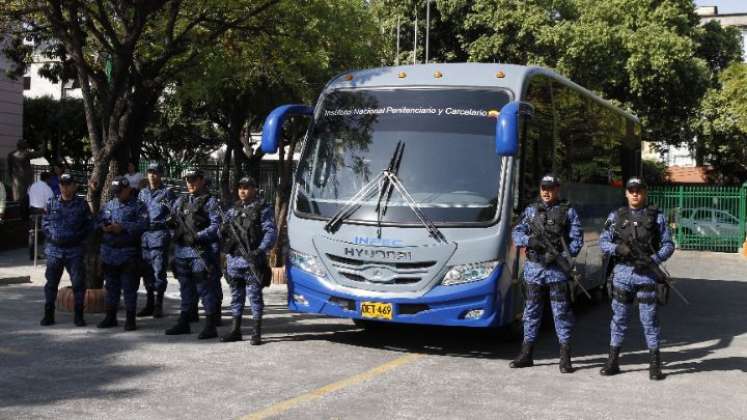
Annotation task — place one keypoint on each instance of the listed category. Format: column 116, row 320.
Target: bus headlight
column 308, row 263
column 466, row 273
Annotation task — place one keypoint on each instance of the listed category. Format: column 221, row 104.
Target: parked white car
column 703, row 221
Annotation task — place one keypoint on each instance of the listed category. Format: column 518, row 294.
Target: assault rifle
column 243, row 249
column 642, row 256
column 567, row 265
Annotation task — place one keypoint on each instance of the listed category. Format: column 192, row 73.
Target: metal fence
column 710, row 218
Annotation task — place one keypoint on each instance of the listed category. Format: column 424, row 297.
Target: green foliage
column 59, row 124
column 721, row 124
column 179, row 135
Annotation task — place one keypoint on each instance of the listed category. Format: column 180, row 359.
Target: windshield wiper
column 389, row 182
column 385, row 192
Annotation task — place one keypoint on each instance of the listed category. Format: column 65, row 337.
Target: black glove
column 534, row 243
column 622, row 250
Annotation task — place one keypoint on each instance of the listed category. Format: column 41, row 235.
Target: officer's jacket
column 66, row 225
column 551, row 218
column 133, row 216
column 158, row 202
column 257, row 221
column 207, row 239
column 650, row 226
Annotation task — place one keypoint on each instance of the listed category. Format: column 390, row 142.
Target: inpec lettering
column 362, row 240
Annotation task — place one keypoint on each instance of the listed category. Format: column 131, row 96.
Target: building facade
column 11, row 113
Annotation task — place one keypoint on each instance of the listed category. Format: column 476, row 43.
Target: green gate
column 704, row 217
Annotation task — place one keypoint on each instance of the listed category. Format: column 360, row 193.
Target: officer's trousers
column 122, row 278
column 560, row 304
column 154, row 269
column 198, row 280
column 629, row 287
column 75, row 268
column 242, row 282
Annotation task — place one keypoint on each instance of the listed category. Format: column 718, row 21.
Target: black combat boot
column 654, row 365
column 158, row 307
column 130, row 321
column 524, row 359
column 48, row 315
column 181, row 327
column 78, row 320
column 209, row 331
column 256, row 338
column 565, row 359
column 235, row 334
column 148, row 309
column 110, row 320
column 219, row 319
column 612, row 367
column 194, row 313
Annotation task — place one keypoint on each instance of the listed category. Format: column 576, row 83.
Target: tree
column 123, row 55
column 178, row 135
column 240, row 80
column 721, row 125
column 60, row 124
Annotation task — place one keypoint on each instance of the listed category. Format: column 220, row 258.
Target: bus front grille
column 377, row 272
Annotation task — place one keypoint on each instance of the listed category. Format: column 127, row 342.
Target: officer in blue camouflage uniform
column 196, row 220
column 642, row 227
column 249, row 226
column 542, row 275
column 67, row 222
column 123, row 221
column 155, row 241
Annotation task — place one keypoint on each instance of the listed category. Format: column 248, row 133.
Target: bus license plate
column 376, row 310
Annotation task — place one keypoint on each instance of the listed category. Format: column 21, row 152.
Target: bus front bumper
column 474, row 304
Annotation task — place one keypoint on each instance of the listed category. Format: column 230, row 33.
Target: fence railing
column 705, row 217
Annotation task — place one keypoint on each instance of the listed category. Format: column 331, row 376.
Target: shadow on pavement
column 64, row 362
column 709, row 324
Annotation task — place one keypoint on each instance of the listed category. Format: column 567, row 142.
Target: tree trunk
column 225, row 189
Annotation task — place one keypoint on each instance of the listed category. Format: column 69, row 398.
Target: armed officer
column 196, row 220
column 123, row 221
column 247, row 234
column 155, row 241
column 635, row 237
column 67, row 222
column 549, row 229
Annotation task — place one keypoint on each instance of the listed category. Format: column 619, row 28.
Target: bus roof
column 514, row 78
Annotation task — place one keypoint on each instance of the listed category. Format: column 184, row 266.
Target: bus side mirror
column 272, row 128
column 507, row 127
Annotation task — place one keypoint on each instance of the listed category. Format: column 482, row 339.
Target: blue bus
column 410, row 179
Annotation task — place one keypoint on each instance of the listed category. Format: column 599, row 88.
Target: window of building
column 26, row 83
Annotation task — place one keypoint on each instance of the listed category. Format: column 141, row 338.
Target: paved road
column 314, row 367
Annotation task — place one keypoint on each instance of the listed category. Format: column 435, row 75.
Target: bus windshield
column 449, row 165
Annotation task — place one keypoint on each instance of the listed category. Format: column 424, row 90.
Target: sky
column 725, row 6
